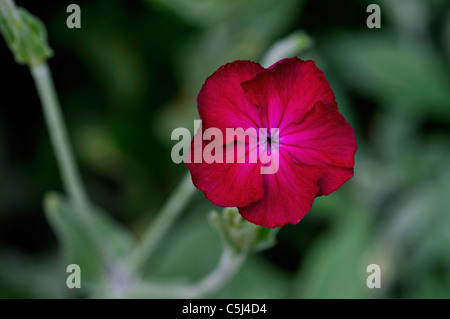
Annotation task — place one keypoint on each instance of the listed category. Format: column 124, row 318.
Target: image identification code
column 232, row 308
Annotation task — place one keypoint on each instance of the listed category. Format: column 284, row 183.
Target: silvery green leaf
column 76, row 244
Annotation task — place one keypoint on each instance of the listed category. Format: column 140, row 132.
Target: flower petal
column 288, row 90
column 323, row 139
column 288, row 194
column 222, row 102
column 228, row 184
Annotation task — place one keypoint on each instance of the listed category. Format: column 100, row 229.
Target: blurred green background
column 131, row 74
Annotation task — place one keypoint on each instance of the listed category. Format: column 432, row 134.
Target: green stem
column 164, row 219
column 70, row 175
column 59, row 137
column 228, row 265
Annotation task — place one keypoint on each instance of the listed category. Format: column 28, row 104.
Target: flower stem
column 228, row 265
column 164, row 219
column 58, row 134
column 70, row 175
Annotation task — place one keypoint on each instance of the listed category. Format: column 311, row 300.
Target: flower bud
column 240, row 235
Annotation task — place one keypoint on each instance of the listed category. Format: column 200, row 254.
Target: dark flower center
column 269, row 142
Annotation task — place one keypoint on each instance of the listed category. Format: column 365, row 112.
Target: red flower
column 316, row 145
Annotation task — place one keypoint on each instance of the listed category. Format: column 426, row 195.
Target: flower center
column 269, row 143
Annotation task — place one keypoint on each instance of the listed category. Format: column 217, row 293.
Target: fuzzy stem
column 58, row 134
column 227, row 267
column 70, row 175
column 162, row 223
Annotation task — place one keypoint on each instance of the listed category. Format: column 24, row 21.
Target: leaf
column 293, row 44
column 414, row 76
column 190, row 251
column 257, row 279
column 31, row 277
column 334, row 267
column 77, row 245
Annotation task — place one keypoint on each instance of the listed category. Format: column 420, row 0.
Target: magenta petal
column 288, row 90
column 323, row 139
column 222, row 102
column 228, row 184
column 288, row 194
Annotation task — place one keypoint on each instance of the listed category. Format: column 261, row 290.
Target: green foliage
column 24, row 34
column 236, row 30
column 412, row 77
column 24, row 276
column 193, row 250
column 335, row 268
column 80, row 247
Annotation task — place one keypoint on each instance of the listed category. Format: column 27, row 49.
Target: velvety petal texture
column 288, row 90
column 234, row 184
column 288, row 194
column 315, row 150
column 222, row 102
column 324, row 139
